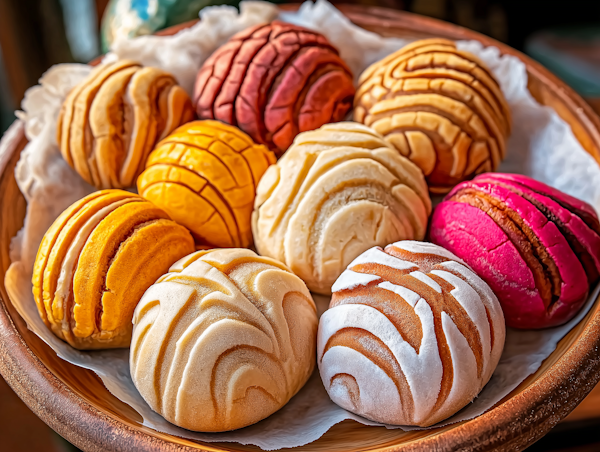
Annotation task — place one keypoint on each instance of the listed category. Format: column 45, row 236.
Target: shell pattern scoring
column 223, row 340
column 110, row 122
column 205, row 175
column 274, row 81
column 97, row 260
column 337, row 192
column 412, row 335
column 439, row 106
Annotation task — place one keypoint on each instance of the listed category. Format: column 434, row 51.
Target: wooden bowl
column 74, row 402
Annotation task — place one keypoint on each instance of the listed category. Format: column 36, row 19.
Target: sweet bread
column 223, row 341
column 537, row 248
column 204, row 175
column 412, row 335
column 274, row 81
column 97, row 260
column 110, row 122
column 440, row 107
column 337, row 192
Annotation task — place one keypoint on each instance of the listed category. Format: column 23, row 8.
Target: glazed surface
column 274, row 81
column 538, row 248
column 97, row 260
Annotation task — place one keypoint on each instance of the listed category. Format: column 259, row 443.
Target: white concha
column 411, row 337
column 223, row 340
column 336, row 192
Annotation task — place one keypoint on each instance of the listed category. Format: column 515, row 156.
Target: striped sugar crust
column 337, row 192
column 96, row 261
column 223, row 340
column 538, row 248
column 411, row 337
column 110, row 122
column 440, row 107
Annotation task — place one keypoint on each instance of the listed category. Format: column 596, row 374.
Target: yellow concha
column 111, row 121
column 205, row 175
column 440, row 107
column 97, row 260
column 336, row 192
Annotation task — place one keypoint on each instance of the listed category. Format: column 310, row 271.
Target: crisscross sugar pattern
column 274, row 81
column 411, row 337
column 337, row 192
column 205, row 175
column 97, row 260
column 223, row 340
column 110, row 122
column 439, row 106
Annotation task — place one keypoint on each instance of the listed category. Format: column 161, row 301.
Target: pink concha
column 566, row 228
column 569, row 266
column 473, row 236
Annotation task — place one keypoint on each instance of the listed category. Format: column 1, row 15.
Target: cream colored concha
column 223, row 340
column 412, row 335
column 439, row 106
column 336, row 192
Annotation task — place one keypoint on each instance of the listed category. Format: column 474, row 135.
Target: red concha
column 537, row 247
column 274, row 81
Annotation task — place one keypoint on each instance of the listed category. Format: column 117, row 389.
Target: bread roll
column 274, row 81
column 204, row 175
column 337, row 192
column 223, row 341
column 440, row 107
column 97, row 260
column 110, row 122
column 412, row 335
column 537, row 248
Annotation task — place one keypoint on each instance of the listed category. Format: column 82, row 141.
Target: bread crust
column 411, row 336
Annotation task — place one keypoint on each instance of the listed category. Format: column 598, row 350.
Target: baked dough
column 440, row 107
column 223, row 341
column 537, row 248
column 337, row 192
column 204, row 175
column 110, row 122
column 97, row 260
column 274, row 81
column 412, row 335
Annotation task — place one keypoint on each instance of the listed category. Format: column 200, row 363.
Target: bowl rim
column 522, row 419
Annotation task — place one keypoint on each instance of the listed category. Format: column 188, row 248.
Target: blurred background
column 564, row 35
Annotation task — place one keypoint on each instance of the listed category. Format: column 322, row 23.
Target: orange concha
column 205, row 175
column 97, row 260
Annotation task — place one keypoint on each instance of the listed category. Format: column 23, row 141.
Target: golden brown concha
column 204, row 175
column 111, row 121
column 440, row 107
column 337, row 191
column 97, row 260
column 223, row 341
